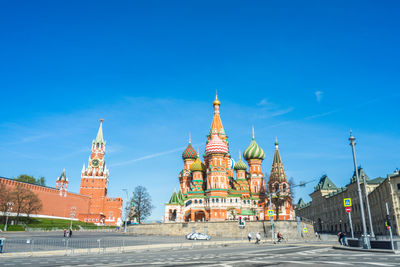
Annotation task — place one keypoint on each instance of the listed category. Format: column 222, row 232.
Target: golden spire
column 216, row 101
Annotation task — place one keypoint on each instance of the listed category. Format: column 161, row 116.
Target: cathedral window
column 231, row 200
column 195, row 201
column 200, row 201
column 213, row 200
column 217, row 200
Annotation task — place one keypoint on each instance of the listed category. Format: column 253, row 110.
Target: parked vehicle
column 189, row 235
column 199, row 236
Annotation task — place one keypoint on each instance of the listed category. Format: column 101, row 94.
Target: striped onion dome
column 216, row 145
column 254, row 151
column 189, row 152
column 197, row 166
column 240, row 165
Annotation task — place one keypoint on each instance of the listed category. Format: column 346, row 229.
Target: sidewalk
column 367, row 250
column 87, row 251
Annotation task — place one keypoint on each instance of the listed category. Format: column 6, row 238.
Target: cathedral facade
column 218, row 189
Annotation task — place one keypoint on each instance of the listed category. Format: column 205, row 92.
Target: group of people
column 258, row 237
column 68, row 233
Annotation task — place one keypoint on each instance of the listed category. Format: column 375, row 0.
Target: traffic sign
column 348, row 209
column 347, row 202
column 305, row 230
column 270, row 213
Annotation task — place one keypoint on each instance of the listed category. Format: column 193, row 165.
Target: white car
column 199, row 236
column 189, row 235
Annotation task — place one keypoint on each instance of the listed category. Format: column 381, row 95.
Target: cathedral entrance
column 200, row 216
column 172, row 215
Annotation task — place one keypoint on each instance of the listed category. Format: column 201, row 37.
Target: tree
column 31, row 180
column 142, row 203
column 232, row 212
column 5, row 197
column 19, row 196
column 291, row 187
column 33, row 204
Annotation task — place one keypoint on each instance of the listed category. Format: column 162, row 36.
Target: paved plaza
column 210, row 254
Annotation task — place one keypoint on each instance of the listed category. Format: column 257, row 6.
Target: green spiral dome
column 240, row 165
column 189, row 153
column 197, row 166
column 254, row 151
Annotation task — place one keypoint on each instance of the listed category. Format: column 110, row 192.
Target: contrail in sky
column 149, row 156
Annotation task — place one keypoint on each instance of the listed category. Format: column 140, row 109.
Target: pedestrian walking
column 249, row 237
column 316, row 234
column 65, row 232
column 258, row 238
column 340, row 235
column 70, row 232
column 344, row 239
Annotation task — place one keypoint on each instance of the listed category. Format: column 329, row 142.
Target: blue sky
column 304, row 72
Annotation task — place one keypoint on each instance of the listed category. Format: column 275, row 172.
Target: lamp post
column 9, row 208
column 72, row 215
column 126, row 208
column 272, row 217
column 365, row 239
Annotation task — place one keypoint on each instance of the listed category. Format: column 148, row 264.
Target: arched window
column 276, row 187
column 284, row 187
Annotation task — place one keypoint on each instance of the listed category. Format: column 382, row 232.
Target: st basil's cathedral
column 218, row 189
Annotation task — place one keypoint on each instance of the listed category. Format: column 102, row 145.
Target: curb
column 91, row 251
column 367, row 250
column 87, row 251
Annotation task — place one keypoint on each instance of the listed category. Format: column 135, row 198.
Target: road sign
column 305, row 230
column 348, row 209
column 270, row 213
column 347, row 202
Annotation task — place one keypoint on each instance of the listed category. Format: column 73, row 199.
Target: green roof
column 361, row 176
column 301, row 202
column 378, row 180
column 248, row 212
column 174, row 198
column 325, row 184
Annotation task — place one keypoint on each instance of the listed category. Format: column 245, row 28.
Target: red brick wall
column 53, row 203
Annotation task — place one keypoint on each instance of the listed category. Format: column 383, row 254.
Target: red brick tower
column 94, row 183
column 94, row 180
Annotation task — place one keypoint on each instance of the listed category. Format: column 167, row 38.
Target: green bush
column 13, row 228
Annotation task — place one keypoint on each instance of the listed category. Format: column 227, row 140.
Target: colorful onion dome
column 254, row 151
column 189, row 152
column 216, row 145
column 240, row 165
column 198, row 166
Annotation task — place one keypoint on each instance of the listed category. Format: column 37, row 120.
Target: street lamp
column 270, row 207
column 72, row 215
column 9, row 208
column 365, row 239
column 126, row 208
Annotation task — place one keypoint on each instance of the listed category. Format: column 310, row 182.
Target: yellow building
column 327, row 211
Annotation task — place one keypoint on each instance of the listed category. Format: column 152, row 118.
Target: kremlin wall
column 91, row 204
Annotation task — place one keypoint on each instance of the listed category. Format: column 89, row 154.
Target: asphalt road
column 47, row 241
column 240, row 255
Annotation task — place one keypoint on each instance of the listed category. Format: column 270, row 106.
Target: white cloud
column 318, row 95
